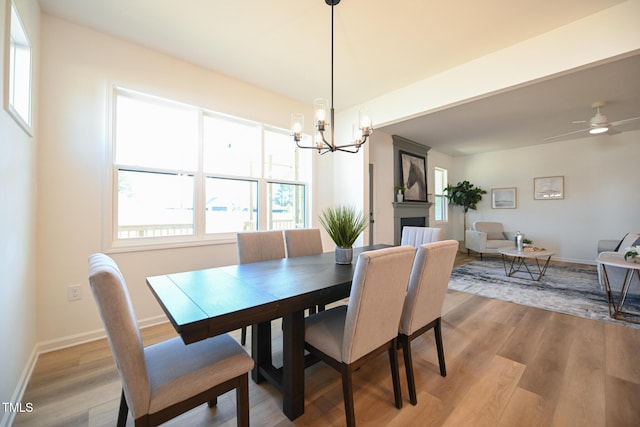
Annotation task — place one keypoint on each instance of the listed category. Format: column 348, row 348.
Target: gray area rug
column 566, row 289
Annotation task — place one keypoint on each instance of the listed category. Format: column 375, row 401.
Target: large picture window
column 182, row 173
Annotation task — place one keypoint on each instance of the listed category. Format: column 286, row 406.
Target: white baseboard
column 71, row 340
column 9, row 416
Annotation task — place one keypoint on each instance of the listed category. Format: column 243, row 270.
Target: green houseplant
column 344, row 224
column 465, row 195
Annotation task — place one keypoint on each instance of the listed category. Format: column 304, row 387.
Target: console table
column 614, row 259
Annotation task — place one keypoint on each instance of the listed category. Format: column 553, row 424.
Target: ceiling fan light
column 599, row 129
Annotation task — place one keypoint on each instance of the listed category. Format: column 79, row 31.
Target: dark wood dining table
column 210, row 302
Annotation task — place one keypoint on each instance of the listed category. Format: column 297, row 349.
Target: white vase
column 400, row 196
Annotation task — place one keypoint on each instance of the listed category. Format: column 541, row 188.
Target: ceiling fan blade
column 566, row 134
column 619, row 122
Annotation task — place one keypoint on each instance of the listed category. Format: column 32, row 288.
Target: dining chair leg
column 123, row 412
column 393, row 361
column 347, row 391
column 242, row 401
column 437, row 329
column 243, row 335
column 405, row 343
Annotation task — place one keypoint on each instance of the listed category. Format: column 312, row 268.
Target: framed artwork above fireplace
column 414, row 176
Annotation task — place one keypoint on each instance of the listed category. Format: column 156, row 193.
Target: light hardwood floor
column 507, row 365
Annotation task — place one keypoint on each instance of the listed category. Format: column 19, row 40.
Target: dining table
column 209, row 302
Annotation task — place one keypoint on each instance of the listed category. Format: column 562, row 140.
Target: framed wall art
column 548, row 188
column 414, row 176
column 503, row 198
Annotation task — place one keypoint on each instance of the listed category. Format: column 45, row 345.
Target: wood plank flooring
column 507, row 365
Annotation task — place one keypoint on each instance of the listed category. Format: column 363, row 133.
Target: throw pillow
column 630, row 239
column 495, row 235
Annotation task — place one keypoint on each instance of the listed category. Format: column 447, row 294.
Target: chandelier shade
column 324, row 119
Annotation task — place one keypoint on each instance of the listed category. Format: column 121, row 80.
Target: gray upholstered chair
column 423, row 305
column 485, row 237
column 346, row 337
column 164, row 380
column 302, row 242
column 256, row 246
column 416, row 236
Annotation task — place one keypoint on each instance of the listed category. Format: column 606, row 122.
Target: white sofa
column 486, row 237
column 616, row 274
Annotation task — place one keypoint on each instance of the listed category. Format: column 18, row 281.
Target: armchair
column 616, row 275
column 486, row 237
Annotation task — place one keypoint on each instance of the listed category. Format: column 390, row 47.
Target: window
column 440, row 201
column 18, row 91
column 185, row 174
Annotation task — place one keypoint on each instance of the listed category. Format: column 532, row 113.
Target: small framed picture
column 548, row 188
column 503, row 198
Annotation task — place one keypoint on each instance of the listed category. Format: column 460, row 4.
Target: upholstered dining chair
column 346, row 337
column 417, row 236
column 256, row 246
column 167, row 379
column 423, row 305
column 303, row 242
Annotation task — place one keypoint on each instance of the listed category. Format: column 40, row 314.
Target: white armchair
column 616, row 274
column 486, row 237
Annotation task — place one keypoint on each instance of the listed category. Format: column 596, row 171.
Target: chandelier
column 324, row 127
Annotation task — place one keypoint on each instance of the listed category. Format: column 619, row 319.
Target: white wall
column 18, row 229
column 79, row 67
column 601, row 192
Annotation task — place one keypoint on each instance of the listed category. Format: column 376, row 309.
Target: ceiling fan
column 598, row 124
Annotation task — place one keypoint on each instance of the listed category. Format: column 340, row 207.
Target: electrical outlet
column 74, row 293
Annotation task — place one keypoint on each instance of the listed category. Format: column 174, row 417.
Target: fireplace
column 407, row 213
column 418, row 221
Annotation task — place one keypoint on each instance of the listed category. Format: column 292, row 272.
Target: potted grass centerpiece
column 344, row 224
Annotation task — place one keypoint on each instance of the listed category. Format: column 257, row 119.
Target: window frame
column 200, row 236
column 438, row 193
column 16, row 35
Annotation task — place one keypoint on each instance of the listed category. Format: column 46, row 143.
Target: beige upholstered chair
column 164, row 380
column 416, row 236
column 345, row 337
column 256, row 246
column 423, row 305
column 302, row 242
column 485, row 237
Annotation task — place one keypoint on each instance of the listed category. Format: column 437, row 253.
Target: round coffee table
column 515, row 260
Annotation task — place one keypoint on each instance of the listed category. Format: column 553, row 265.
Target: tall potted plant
column 344, row 224
column 465, row 195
